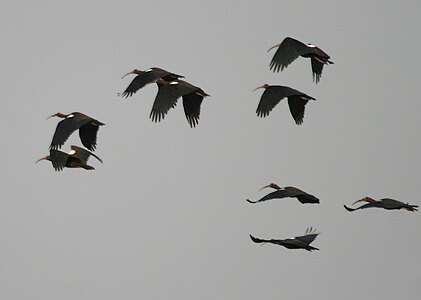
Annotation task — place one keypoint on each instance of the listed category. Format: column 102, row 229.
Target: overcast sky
column 165, row 216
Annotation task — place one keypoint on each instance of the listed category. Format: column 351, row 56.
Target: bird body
column 273, row 94
column 299, row 242
column 288, row 191
column 290, row 49
column 146, row 77
column 88, row 128
column 76, row 158
column 385, row 203
column 168, row 94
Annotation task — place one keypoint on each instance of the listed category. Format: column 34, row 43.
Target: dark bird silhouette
column 146, row 77
column 299, row 242
column 76, row 158
column 290, row 49
column 168, row 94
column 288, row 191
column 273, row 94
column 385, row 203
column 88, row 128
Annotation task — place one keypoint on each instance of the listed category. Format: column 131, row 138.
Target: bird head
column 271, row 185
column 365, row 199
column 135, row 71
column 59, row 114
column 44, row 158
column 262, row 87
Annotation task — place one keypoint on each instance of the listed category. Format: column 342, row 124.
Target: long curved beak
column 51, row 116
column 42, row 158
column 266, row 186
column 273, row 47
column 259, row 87
column 361, row 200
column 131, row 72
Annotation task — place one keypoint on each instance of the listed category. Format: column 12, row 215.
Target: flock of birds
column 171, row 88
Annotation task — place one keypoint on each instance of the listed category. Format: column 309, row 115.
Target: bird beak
column 128, row 74
column 361, row 200
column 266, row 186
column 51, row 116
column 42, row 158
column 273, row 47
column 259, row 87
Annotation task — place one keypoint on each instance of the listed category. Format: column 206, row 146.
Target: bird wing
column 58, row 159
column 302, row 196
column 191, row 104
column 66, row 127
column 167, row 96
column 82, row 154
column 88, row 134
column 270, row 98
column 278, row 194
column 287, row 52
column 317, row 68
column 309, row 237
column 297, row 107
column 144, row 78
column 258, row 240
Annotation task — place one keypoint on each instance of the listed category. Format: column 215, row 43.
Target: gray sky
column 165, row 216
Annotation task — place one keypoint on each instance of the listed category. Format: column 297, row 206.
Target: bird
column 290, row 49
column 386, row 203
column 77, row 157
column 168, row 94
column 88, row 128
column 298, row 242
column 146, row 77
column 273, row 94
column 288, row 191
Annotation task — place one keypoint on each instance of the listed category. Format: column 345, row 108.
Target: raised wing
column 289, row 50
column 309, row 236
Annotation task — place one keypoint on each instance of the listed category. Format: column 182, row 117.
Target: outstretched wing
column 167, row 96
column 287, row 52
column 66, row 127
column 297, row 105
column 270, row 98
column 58, row 159
column 191, row 104
column 257, row 240
column 88, row 134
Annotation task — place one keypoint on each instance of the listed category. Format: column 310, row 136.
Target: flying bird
column 146, row 77
column 76, row 158
column 88, row 128
column 299, row 242
column 168, row 94
column 288, row 191
column 273, row 94
column 290, row 49
column 385, row 203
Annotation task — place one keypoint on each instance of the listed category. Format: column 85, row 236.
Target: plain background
column 165, row 216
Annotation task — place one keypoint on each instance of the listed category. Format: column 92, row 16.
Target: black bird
column 299, row 242
column 76, row 158
column 290, row 49
column 273, row 94
column 168, row 94
column 146, row 77
column 88, row 128
column 385, row 203
column 288, row 191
